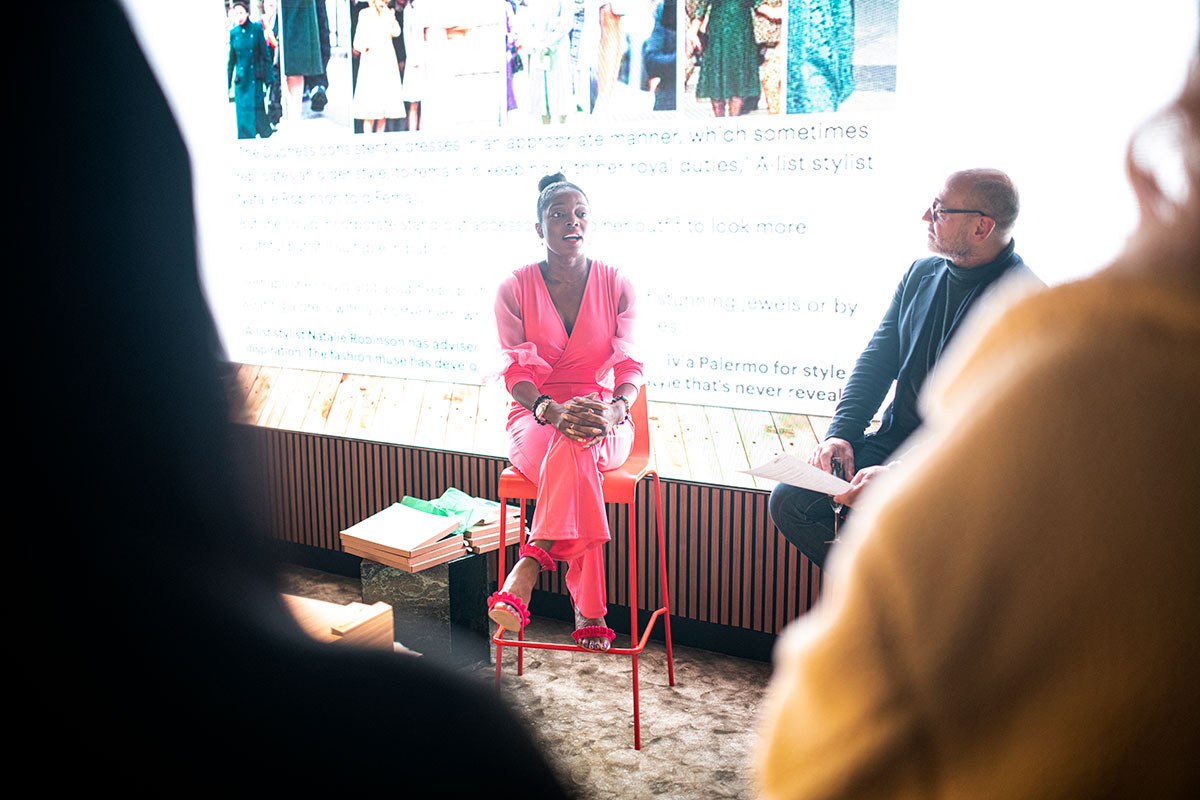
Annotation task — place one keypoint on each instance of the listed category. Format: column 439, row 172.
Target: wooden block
column 361, row 614
column 354, row 624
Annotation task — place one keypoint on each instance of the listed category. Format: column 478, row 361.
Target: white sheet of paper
column 788, row 469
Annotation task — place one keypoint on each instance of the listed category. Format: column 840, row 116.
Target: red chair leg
column 637, row 719
column 500, row 579
column 633, row 624
column 521, row 633
column 662, row 578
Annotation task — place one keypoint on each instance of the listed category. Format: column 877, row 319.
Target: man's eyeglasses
column 936, row 211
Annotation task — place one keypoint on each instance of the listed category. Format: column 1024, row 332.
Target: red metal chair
column 620, row 487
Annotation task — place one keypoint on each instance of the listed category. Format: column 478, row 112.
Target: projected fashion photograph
column 752, row 57
column 732, row 70
column 378, row 88
column 287, row 70
column 841, row 55
column 591, row 58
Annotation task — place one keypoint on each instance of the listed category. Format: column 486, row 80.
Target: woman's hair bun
column 557, row 177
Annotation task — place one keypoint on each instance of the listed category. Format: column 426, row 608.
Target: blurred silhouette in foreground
column 172, row 654
column 1015, row 614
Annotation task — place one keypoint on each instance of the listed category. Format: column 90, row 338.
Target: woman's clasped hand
column 587, row 419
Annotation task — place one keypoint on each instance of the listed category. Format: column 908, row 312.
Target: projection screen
column 764, row 246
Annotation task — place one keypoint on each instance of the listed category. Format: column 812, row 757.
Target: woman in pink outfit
column 565, row 327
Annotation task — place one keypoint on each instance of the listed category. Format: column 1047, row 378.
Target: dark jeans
column 805, row 517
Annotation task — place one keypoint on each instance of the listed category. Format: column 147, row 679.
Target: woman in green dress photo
column 722, row 31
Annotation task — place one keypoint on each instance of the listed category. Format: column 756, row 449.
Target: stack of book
column 484, row 536
column 405, row 538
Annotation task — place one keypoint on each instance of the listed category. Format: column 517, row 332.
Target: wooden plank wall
column 335, row 449
column 704, row 444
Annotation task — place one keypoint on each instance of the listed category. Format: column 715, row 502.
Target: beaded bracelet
column 624, row 400
column 539, row 408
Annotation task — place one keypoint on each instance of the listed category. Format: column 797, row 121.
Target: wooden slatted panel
column 734, row 536
column 720, row 534
column 726, row 563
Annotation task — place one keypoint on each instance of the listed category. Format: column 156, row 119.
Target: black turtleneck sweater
column 928, row 307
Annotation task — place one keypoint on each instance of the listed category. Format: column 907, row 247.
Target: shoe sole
column 505, row 619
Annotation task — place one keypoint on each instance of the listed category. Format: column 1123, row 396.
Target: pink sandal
column 593, row 632
column 517, row 621
column 537, row 554
column 505, row 618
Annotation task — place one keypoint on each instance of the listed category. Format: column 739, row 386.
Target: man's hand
column 858, row 484
column 833, row 447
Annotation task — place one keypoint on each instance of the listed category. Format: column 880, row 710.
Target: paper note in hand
column 788, row 469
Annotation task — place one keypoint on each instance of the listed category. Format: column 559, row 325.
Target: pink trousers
column 570, row 511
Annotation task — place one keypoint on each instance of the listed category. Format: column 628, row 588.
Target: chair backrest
column 642, row 450
column 620, row 484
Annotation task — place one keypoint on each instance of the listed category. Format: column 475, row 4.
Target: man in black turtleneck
column 970, row 231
